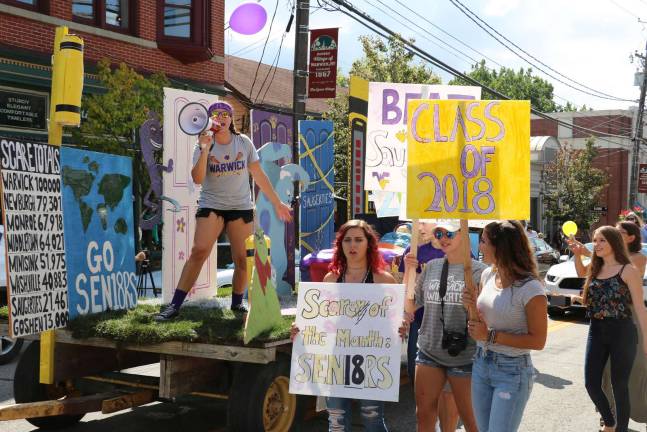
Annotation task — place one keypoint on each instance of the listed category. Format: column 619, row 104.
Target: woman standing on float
column 222, row 164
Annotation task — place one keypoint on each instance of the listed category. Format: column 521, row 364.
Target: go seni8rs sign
column 468, row 159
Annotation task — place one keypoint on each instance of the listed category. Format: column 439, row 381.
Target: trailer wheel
column 259, row 399
column 27, row 388
column 555, row 312
column 9, row 348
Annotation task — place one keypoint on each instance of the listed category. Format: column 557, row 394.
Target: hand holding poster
column 469, row 159
column 348, row 344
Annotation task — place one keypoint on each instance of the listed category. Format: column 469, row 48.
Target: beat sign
column 482, row 186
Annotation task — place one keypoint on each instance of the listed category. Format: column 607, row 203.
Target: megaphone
column 194, row 119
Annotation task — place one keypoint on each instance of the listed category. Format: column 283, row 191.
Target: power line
column 275, row 63
column 477, row 20
column 624, row 9
column 269, row 32
column 355, row 14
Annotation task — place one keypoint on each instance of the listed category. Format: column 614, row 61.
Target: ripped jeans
column 340, row 414
column 501, row 386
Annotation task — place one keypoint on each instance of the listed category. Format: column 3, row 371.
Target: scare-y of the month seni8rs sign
column 348, row 344
column 33, row 221
column 99, row 240
column 468, row 159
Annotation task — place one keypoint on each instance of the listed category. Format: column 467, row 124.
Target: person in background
column 222, row 164
column 512, row 311
column 428, row 249
column 356, row 259
column 612, row 285
column 531, row 233
column 633, row 217
column 445, row 351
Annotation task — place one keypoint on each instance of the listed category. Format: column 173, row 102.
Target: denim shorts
column 455, row 371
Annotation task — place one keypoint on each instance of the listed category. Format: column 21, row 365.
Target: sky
column 589, row 41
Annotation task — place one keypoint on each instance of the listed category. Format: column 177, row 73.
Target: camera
column 454, row 342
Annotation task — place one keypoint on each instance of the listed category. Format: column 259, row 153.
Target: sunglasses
column 449, row 234
column 223, row 114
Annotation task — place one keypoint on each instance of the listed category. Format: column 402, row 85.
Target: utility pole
column 638, row 133
column 299, row 96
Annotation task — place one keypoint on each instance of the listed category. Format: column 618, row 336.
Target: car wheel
column 554, row 312
column 9, row 348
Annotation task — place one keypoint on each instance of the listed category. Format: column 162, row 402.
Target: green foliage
column 115, row 114
column 384, row 62
column 195, row 324
column 4, row 313
column 573, row 185
column 519, row 85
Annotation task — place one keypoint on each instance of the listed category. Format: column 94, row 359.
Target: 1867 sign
column 23, row 110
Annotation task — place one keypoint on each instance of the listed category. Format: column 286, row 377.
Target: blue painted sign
column 316, row 154
column 98, row 224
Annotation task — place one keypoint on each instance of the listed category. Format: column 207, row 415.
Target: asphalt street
column 558, row 402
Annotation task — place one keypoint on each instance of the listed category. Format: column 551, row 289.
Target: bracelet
column 491, row 336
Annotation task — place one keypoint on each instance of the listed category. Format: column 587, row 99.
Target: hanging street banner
column 348, row 344
column 642, row 178
column 357, row 112
column 99, row 240
column 322, row 70
column 386, row 144
column 469, row 160
column 33, row 230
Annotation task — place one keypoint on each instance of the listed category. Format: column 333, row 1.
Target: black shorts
column 228, row 215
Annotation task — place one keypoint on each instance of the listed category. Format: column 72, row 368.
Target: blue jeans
column 340, row 414
column 501, row 386
column 412, row 344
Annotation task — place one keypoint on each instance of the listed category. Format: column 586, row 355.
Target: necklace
column 363, row 280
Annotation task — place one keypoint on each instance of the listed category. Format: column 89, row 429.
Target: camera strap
column 442, row 290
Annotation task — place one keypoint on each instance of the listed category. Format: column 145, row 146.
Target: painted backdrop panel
column 179, row 227
column 99, row 231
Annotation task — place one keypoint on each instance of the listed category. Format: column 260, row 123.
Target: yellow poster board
column 468, row 159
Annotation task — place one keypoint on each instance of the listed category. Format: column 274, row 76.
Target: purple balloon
column 248, row 18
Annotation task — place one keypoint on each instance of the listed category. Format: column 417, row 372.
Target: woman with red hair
column 356, row 259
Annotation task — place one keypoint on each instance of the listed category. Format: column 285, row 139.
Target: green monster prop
column 264, row 308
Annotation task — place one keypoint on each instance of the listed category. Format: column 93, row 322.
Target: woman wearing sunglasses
column 445, row 350
column 512, row 310
column 222, row 164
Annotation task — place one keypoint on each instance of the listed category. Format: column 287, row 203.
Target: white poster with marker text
column 348, row 343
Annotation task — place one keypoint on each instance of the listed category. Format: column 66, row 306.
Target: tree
column 115, row 114
column 573, row 185
column 383, row 61
column 520, row 85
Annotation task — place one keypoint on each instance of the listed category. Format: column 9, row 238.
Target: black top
column 368, row 277
column 609, row 298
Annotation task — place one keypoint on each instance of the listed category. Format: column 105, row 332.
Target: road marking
column 559, row 325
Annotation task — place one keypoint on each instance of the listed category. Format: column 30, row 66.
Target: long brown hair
column 614, row 238
column 373, row 256
column 512, row 252
column 632, row 229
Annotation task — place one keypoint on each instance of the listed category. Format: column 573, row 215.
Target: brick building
column 185, row 40
column 612, row 130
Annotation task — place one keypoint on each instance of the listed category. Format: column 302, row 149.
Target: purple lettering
column 489, row 116
column 437, row 135
column 478, row 161
column 458, row 120
column 414, row 123
column 486, row 152
column 407, row 98
column 473, row 119
column 460, row 96
column 390, row 107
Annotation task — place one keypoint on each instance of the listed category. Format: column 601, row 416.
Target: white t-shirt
column 504, row 309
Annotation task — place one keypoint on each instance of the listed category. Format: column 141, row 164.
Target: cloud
column 500, row 8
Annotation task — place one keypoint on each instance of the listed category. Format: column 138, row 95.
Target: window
column 109, row 14
column 183, row 29
column 35, row 5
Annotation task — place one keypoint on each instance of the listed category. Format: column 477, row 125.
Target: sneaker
column 239, row 308
column 167, row 314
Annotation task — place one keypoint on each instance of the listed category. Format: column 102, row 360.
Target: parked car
column 544, row 253
column 9, row 347
column 562, row 282
column 224, row 276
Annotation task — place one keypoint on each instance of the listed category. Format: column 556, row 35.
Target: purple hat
column 223, row 106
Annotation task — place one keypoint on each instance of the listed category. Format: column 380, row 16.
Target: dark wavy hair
column 513, row 254
column 375, row 261
column 614, row 238
column 632, row 229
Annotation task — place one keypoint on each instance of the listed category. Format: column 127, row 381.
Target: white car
column 562, row 283
column 225, row 276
